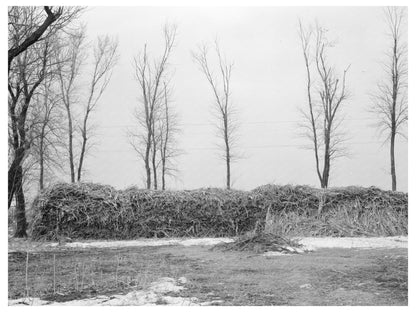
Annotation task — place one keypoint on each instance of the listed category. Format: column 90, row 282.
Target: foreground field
column 198, row 275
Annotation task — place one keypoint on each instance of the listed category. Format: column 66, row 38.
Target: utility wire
column 238, row 122
column 253, row 147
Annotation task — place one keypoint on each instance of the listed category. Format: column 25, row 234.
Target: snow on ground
column 355, row 242
column 156, row 294
column 310, row 243
column 150, row 242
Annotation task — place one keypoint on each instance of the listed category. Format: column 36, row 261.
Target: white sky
column 268, row 87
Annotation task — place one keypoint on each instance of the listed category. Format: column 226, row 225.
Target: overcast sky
column 268, row 88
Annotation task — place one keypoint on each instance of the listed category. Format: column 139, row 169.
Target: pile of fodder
column 346, row 211
column 101, row 212
column 305, row 199
column 199, row 213
column 94, row 211
column 82, row 210
column 260, row 243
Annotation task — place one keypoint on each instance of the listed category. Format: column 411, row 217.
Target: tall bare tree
column 323, row 113
column 150, row 76
column 70, row 57
column 224, row 110
column 30, row 47
column 28, row 30
column 168, row 129
column 104, row 60
column 26, row 76
column 390, row 100
column 48, row 116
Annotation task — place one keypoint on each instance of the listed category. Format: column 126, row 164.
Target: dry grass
column 69, row 275
column 336, row 276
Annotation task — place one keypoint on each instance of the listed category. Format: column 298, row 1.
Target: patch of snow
column 354, row 242
column 276, row 254
column 213, row 302
column 154, row 296
column 165, row 285
column 182, row 280
column 28, row 301
column 150, row 242
column 310, row 243
column 179, row 301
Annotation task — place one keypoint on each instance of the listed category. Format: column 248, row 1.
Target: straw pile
column 83, row 211
column 97, row 211
column 347, row 211
column 260, row 243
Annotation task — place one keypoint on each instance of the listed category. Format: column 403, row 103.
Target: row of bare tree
column 155, row 138
column 55, row 85
column 51, row 78
column 327, row 94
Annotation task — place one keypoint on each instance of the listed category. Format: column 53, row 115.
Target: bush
column 97, row 211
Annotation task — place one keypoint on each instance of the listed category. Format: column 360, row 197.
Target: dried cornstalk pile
column 260, row 243
column 305, row 199
column 77, row 210
column 83, row 211
column 347, row 211
column 97, row 211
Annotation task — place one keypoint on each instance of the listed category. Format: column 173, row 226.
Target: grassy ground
column 324, row 277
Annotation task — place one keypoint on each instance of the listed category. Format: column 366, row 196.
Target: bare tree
column 28, row 29
column 168, row 130
column 70, row 59
column 224, row 110
column 150, row 76
column 28, row 25
column 26, row 76
column 30, row 47
column 48, row 116
column 390, row 100
column 322, row 115
column 105, row 58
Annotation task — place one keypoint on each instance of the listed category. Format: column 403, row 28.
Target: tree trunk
column 13, row 173
column 70, row 147
column 41, row 162
column 81, row 157
column 154, row 151
column 21, row 223
column 392, row 162
column 84, row 146
column 154, row 170
column 11, row 183
column 325, row 174
column 228, row 171
column 163, row 174
column 147, row 165
column 227, row 152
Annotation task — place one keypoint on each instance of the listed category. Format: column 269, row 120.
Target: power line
column 244, row 123
column 252, row 147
